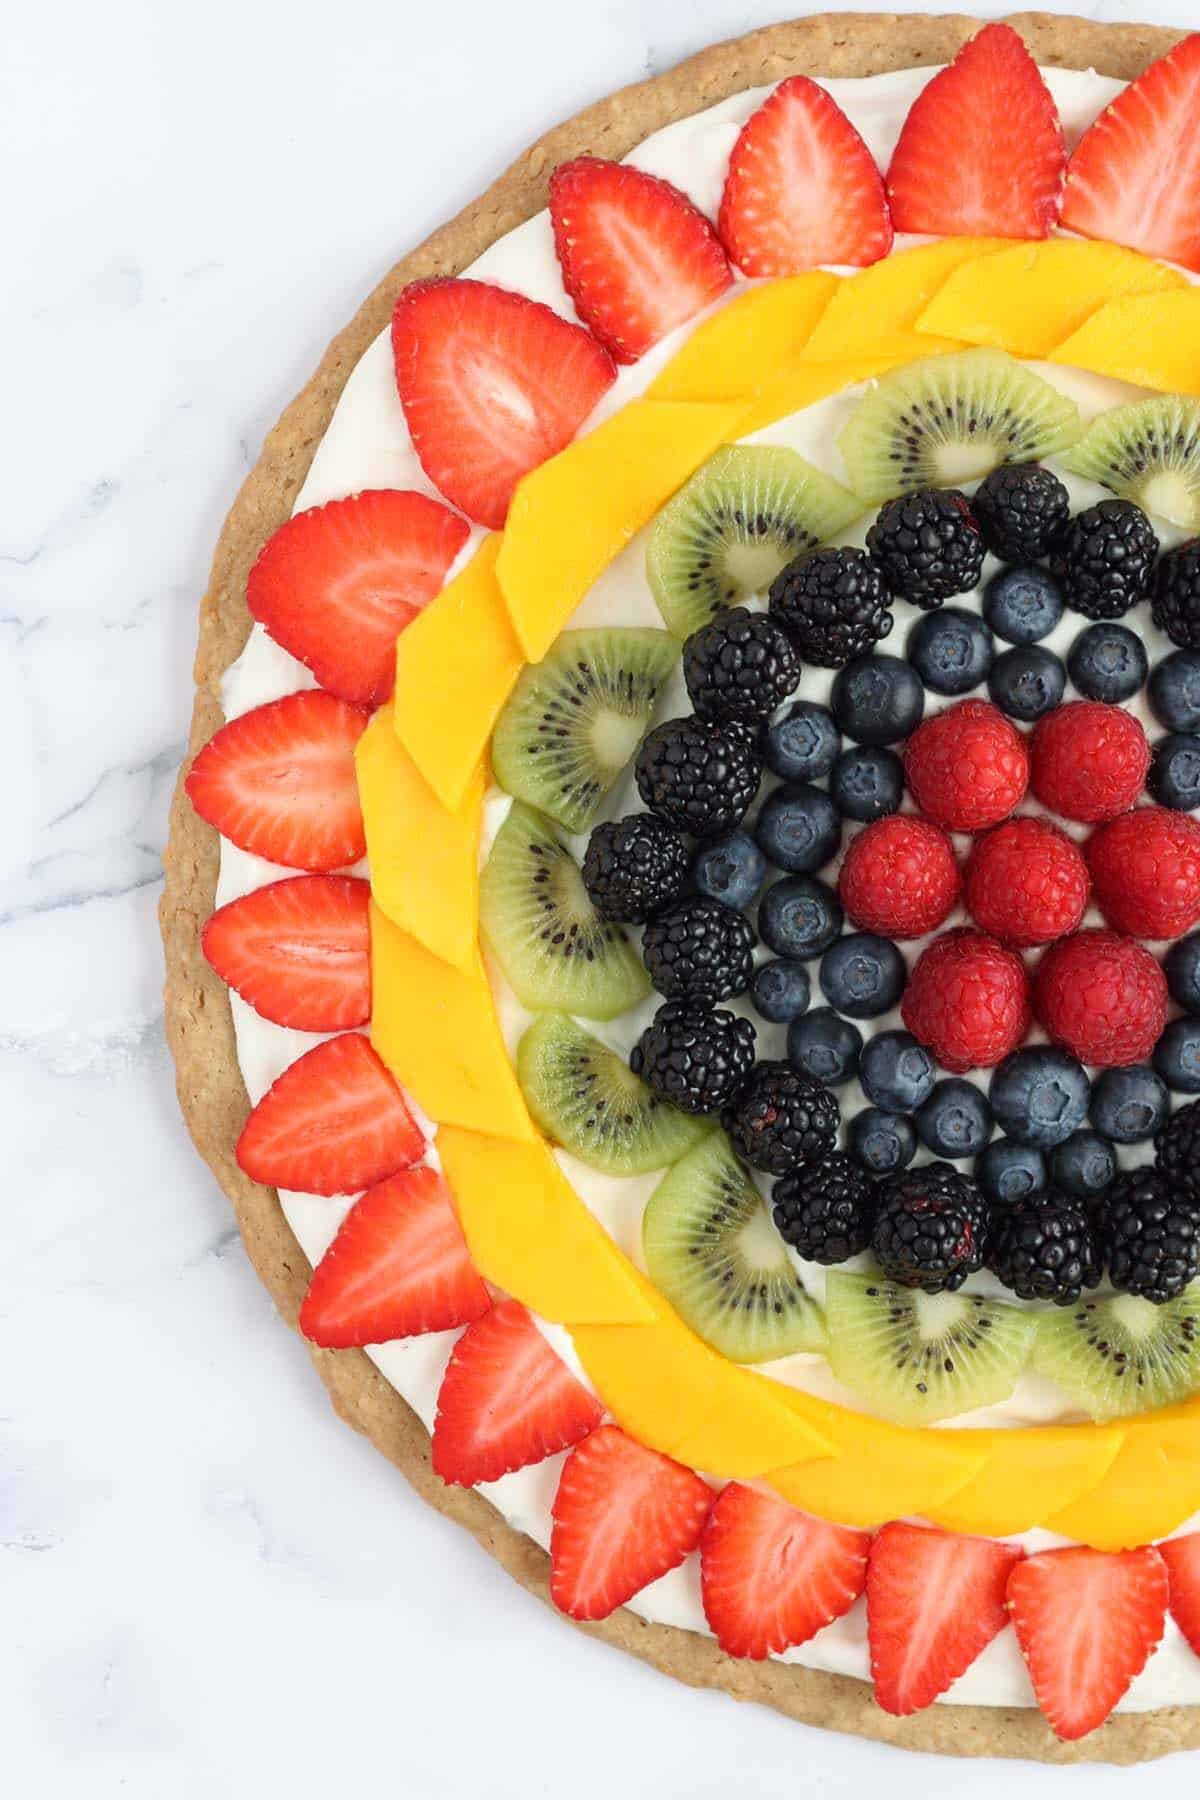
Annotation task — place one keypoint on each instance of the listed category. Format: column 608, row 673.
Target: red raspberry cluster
column 1027, row 885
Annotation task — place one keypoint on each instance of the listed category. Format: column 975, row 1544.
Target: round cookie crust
column 199, row 1021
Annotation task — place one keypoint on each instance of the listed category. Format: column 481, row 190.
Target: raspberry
column 1102, row 997
column 1145, row 869
column 967, row 1001
column 1089, row 760
column 899, row 877
column 1026, row 882
column 967, row 768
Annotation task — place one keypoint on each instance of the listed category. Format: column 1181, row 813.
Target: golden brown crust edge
column 198, row 1018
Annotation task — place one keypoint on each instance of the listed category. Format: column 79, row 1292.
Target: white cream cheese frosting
column 367, row 445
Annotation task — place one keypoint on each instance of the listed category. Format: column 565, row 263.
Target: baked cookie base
column 198, row 1017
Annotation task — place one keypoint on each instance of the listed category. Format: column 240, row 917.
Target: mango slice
column 1152, row 340
column 1028, row 298
column 1152, row 1486
column 456, row 665
column 570, row 517
column 801, row 384
column 672, row 1392
column 531, row 1234
column 424, row 859
column 741, row 346
column 1027, row 1475
column 435, row 1027
column 878, row 1471
column 877, row 310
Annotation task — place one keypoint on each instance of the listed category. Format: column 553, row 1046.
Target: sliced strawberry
column 623, row 1516
column 637, row 257
column 279, row 781
column 333, row 1123
column 298, row 951
column 772, row 1577
column 398, row 1266
column 337, row 583
column 934, row 1602
column 1182, row 1557
column 1134, row 177
column 1086, row 1621
column 802, row 188
column 506, row 1400
column 981, row 152
column 491, row 384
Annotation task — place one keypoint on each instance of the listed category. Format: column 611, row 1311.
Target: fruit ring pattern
column 420, row 780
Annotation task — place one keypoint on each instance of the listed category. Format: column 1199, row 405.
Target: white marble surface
column 207, row 1585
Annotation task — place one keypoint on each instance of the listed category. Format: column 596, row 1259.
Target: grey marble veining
column 207, row 1585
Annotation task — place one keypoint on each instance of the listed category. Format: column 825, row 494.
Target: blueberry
column 863, row 975
column 881, row 1142
column 956, row 1120
column 781, row 990
column 730, row 869
column 877, row 699
column 1174, row 778
column 1022, row 605
column 1008, row 1171
column 867, row 783
column 1108, row 662
column 802, row 742
column 1174, row 691
column 798, row 828
column 799, row 917
column 1039, row 1096
column 1027, row 682
column 1084, row 1165
column 1181, row 966
column 825, row 1046
column 951, row 650
column 896, row 1072
column 1129, row 1105
column 1177, row 1056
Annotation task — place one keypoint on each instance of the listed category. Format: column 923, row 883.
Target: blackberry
column 699, row 775
column 1176, row 605
column 742, row 666
column 1177, row 1150
column 1150, row 1233
column 779, row 1118
column 929, row 545
column 633, row 866
column 694, row 1055
column 699, row 949
column 833, row 604
column 1044, row 1248
column 825, row 1210
column 1106, row 559
column 930, row 1228
column 1022, row 510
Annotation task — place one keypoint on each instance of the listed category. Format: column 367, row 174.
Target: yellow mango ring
column 773, row 349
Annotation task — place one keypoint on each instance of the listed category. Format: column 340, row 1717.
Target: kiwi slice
column 729, row 530
column 920, row 1357
column 950, row 419
column 574, row 720
column 586, row 1097
column 712, row 1251
column 1119, row 1354
column 1148, row 452
column 547, row 936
